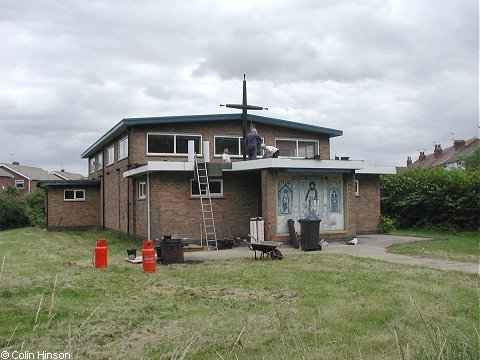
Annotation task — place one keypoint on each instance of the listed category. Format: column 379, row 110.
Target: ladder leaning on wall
column 206, row 204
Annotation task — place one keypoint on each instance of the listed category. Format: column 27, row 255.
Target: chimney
column 63, row 170
column 15, row 163
column 437, row 151
column 458, row 144
column 422, row 156
column 409, row 161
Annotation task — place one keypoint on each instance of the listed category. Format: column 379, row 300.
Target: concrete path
column 369, row 246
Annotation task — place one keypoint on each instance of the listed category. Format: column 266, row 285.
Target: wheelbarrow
column 266, row 248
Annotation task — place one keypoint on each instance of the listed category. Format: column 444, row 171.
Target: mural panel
column 310, row 197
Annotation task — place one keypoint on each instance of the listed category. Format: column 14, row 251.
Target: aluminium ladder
column 206, row 204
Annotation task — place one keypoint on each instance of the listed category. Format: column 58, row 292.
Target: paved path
column 369, row 246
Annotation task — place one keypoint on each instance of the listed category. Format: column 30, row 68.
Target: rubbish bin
column 172, row 251
column 309, row 230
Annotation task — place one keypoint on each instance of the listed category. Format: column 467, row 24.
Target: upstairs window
column 123, row 148
column 19, row 184
column 110, row 155
column 297, row 148
column 91, row 165
column 74, row 195
column 171, row 144
column 357, row 187
column 100, row 160
column 234, row 144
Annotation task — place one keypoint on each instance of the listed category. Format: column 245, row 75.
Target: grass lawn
column 307, row 306
column 462, row 247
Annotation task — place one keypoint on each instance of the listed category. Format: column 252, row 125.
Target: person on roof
column 251, row 141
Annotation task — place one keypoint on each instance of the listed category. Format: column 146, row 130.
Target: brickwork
column 368, row 203
column 5, row 182
column 246, row 194
column 73, row 214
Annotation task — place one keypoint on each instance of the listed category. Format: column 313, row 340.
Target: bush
column 434, row 198
column 386, row 225
column 13, row 212
column 36, row 207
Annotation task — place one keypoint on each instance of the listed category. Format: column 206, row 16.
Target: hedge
column 434, row 197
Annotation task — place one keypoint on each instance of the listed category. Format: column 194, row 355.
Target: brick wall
column 73, row 214
column 368, row 203
column 5, row 182
column 246, row 194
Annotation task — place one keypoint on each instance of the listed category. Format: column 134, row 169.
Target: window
column 19, row 184
column 142, row 190
column 297, row 148
column 110, row 155
column 216, row 188
column 166, row 144
column 357, row 187
column 74, row 195
column 123, row 148
column 92, row 165
column 234, row 145
column 100, row 160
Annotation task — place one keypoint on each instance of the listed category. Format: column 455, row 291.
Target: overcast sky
column 395, row 76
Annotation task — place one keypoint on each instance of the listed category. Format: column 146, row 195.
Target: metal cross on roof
column 244, row 107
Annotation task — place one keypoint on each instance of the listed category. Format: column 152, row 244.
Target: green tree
column 36, row 207
column 13, row 212
column 472, row 160
column 434, row 197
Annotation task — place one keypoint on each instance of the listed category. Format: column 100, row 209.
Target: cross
column 244, row 107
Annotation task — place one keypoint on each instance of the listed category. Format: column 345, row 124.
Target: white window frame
column 296, row 146
column 239, row 146
column 75, row 198
column 91, row 165
column 142, row 190
column 100, row 160
column 357, row 187
column 123, row 148
column 175, row 144
column 18, row 183
column 111, row 155
column 213, row 195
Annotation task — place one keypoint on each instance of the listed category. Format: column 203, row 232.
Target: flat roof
column 292, row 165
column 128, row 122
column 64, row 183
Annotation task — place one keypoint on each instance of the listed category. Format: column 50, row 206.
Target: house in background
column 64, row 175
column 450, row 158
column 25, row 178
column 142, row 180
column 6, row 179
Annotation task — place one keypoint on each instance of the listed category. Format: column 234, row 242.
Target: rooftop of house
column 29, row 172
column 128, row 122
column 446, row 156
column 62, row 174
column 3, row 173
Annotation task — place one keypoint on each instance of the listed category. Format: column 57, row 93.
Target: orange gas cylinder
column 101, row 254
column 148, row 256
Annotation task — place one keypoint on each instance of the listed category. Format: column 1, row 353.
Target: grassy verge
column 310, row 307
column 462, row 247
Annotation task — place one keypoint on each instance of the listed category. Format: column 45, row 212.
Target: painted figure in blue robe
column 311, row 198
column 334, row 202
column 285, row 203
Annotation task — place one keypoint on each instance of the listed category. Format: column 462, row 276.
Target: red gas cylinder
column 148, row 256
column 101, row 254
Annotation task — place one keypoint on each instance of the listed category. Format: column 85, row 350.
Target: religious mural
column 285, row 198
column 310, row 197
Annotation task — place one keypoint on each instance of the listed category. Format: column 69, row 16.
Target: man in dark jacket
column 251, row 141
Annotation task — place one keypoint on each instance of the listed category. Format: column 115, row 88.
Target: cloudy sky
column 396, row 76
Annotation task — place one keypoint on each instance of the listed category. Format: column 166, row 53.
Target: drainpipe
column 148, row 205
